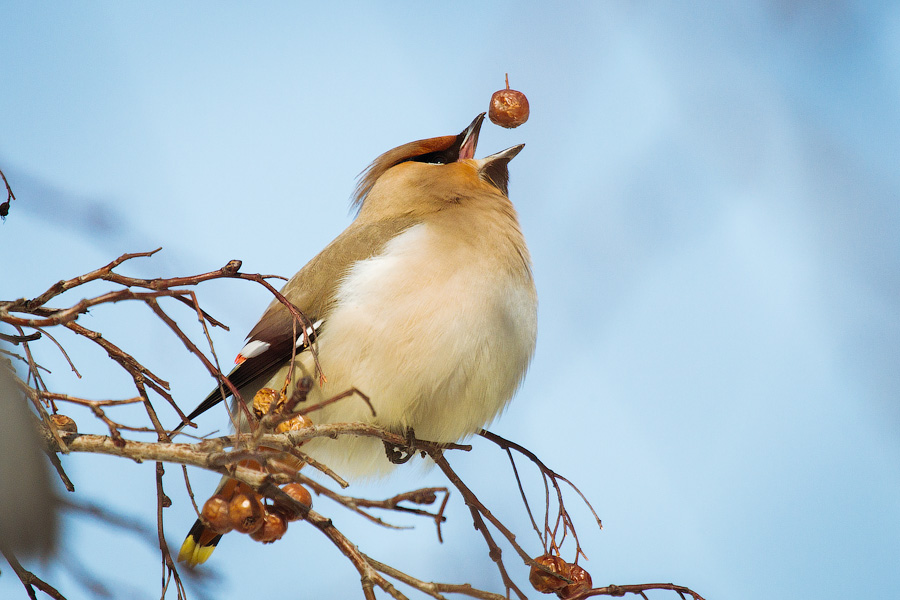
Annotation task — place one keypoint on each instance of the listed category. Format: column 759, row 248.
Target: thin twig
column 477, row 509
column 168, row 565
column 29, row 579
column 640, row 588
column 434, row 589
column 18, row 339
column 61, row 350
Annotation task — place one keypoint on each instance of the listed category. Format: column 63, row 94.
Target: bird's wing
column 271, row 342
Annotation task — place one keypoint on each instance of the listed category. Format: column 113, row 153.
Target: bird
column 425, row 303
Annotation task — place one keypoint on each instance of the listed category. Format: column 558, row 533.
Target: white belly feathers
column 462, row 357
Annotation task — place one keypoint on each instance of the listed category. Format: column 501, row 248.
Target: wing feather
column 311, row 291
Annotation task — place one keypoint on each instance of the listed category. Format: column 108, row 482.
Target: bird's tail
column 199, row 544
column 201, row 540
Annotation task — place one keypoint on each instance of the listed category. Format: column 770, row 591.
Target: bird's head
column 428, row 175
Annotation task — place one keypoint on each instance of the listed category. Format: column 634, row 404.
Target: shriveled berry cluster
column 262, row 402
column 566, row 579
column 240, row 508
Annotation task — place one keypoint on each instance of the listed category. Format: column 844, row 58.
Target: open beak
column 506, row 155
column 468, row 139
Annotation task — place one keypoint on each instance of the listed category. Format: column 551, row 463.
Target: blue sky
column 710, row 199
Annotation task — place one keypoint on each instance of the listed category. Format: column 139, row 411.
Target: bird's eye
column 441, row 157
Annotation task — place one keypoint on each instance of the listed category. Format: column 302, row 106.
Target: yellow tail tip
column 198, row 546
column 194, row 554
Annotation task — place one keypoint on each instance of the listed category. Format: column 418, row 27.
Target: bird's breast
column 436, row 330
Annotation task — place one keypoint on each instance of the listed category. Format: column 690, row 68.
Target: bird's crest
column 438, row 150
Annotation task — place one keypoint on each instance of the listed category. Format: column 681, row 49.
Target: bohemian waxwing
column 425, row 303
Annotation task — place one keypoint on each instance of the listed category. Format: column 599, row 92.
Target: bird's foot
column 399, row 455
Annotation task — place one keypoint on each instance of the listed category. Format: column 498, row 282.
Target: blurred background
column 710, row 195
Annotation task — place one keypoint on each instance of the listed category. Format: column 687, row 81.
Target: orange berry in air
column 509, row 108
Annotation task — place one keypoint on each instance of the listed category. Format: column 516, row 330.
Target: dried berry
column 264, row 399
column 246, row 512
column 298, row 493
column 544, row 581
column 4, row 209
column 581, row 581
column 64, row 423
column 262, row 402
column 273, row 528
column 295, row 423
column 216, row 515
column 509, row 108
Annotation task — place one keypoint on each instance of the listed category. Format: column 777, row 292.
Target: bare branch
column 262, row 460
column 4, row 206
column 29, row 579
column 621, row 590
column 18, row 339
column 434, row 589
column 478, row 510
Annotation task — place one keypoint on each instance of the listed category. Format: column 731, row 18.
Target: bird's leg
column 400, row 455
